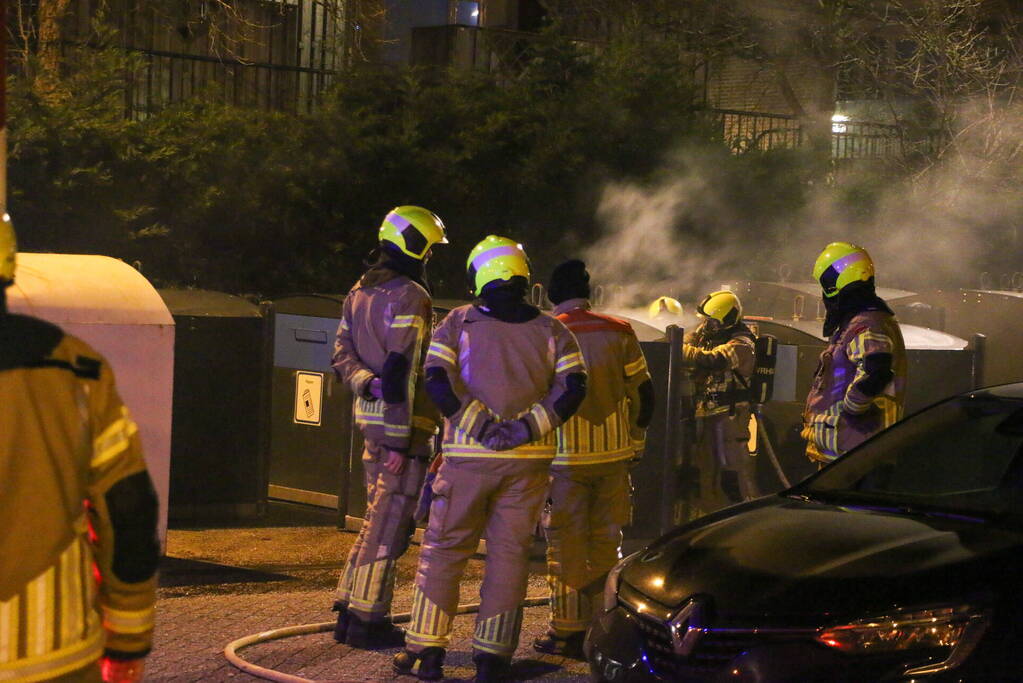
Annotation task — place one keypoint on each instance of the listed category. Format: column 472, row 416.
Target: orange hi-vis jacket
column 78, row 548
column 610, row 425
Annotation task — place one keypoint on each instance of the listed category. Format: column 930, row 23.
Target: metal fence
column 168, row 77
column 745, row 131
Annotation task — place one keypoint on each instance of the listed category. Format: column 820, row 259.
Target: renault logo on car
column 688, row 626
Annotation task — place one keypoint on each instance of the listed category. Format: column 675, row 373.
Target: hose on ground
column 762, row 431
column 232, row 656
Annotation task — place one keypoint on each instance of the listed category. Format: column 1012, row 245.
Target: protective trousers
column 587, row 507
column 367, row 581
column 497, row 497
column 727, row 471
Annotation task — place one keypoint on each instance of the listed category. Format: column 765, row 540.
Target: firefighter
column 381, row 341
column 504, row 376
column 75, row 497
column 860, row 384
column 721, row 352
column 589, row 499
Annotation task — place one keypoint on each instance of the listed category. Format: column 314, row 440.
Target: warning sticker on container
column 308, row 397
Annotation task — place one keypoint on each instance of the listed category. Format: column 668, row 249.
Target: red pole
column 3, row 107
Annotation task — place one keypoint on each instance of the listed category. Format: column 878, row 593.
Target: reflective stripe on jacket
column 838, row 416
column 605, row 428
column 502, row 371
column 717, row 364
column 70, row 459
column 386, row 318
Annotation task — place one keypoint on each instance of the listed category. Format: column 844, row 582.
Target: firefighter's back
column 70, row 468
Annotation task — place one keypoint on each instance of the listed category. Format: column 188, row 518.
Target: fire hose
column 766, row 440
column 231, row 650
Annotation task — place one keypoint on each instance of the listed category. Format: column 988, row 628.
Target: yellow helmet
column 413, row 230
column 722, row 306
column 8, row 250
column 841, row 264
column 496, row 258
column 664, row 305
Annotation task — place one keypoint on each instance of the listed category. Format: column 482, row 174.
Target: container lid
column 314, row 305
column 85, row 289
column 814, row 289
column 207, row 303
column 915, row 337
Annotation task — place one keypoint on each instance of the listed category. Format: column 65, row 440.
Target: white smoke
column 954, row 224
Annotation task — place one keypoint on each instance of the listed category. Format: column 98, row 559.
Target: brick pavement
column 222, row 584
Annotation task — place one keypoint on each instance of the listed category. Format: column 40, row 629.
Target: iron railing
column 168, row 77
column 745, row 131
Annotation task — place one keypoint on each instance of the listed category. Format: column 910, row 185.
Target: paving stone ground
column 220, row 584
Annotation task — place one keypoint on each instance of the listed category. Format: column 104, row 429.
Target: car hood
column 782, row 556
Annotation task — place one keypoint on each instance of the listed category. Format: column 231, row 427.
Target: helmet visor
column 829, row 281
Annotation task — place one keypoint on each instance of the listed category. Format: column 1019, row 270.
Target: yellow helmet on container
column 841, row 264
column 664, row 305
column 8, row 250
column 722, row 306
column 413, row 230
column 496, row 259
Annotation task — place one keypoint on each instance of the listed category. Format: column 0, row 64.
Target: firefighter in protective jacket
column 860, row 385
column 504, row 375
column 74, row 495
column 722, row 353
column 381, row 341
column 589, row 500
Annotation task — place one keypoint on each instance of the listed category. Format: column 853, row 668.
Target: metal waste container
column 966, row 313
column 311, row 428
column 218, row 451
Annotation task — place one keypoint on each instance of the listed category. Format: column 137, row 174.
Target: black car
column 902, row 560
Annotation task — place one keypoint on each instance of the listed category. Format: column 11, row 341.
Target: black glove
column 507, row 435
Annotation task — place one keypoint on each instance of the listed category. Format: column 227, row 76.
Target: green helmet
column 496, row 259
column 413, row 230
column 8, row 250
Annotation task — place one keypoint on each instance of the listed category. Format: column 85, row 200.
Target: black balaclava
column 854, row 298
column 387, row 255
column 506, row 300
column 569, row 280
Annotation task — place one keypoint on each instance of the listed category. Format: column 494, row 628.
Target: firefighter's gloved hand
column 508, row 435
column 376, row 388
column 122, row 670
column 395, row 461
column 689, row 354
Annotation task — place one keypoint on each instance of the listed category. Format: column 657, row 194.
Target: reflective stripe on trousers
column 366, row 584
column 588, row 505
column 472, row 497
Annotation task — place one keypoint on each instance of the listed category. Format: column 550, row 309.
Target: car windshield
column 961, row 456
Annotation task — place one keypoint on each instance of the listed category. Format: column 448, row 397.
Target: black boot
column 569, row 646
column 341, row 628
column 491, row 667
column 372, row 635
column 431, row 663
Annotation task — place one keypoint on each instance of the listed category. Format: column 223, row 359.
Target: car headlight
column 613, row 578
column 956, row 629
